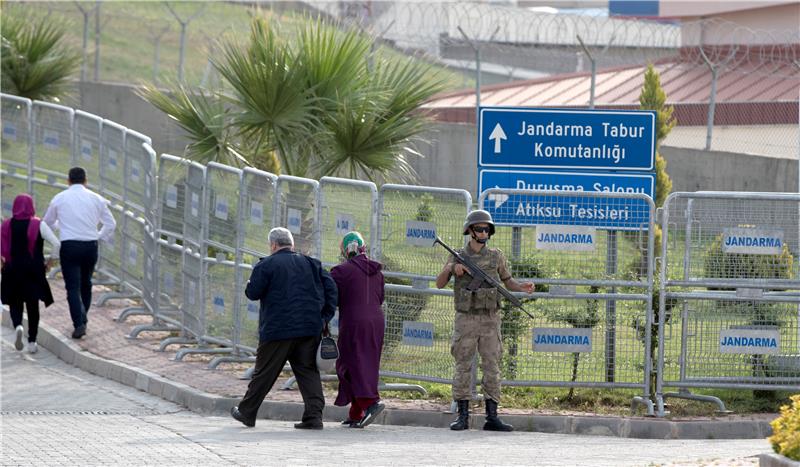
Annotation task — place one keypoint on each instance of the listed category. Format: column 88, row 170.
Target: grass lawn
column 130, row 30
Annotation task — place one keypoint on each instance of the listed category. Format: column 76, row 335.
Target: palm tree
column 35, row 62
column 322, row 104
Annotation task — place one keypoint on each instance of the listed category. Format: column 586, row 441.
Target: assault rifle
column 479, row 277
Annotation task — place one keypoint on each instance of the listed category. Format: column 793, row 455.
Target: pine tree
column 653, row 97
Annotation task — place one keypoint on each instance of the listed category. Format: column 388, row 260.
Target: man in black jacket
column 297, row 297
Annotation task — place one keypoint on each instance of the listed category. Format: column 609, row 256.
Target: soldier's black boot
column 493, row 422
column 462, row 422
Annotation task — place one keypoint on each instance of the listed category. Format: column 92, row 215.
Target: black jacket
column 297, row 295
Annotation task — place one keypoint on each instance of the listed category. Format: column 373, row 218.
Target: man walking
column 297, row 297
column 477, row 323
column 76, row 212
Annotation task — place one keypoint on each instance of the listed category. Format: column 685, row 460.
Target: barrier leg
column 216, row 361
column 248, row 374
column 685, row 394
column 289, row 384
column 184, row 352
column 131, row 311
column 113, row 295
column 175, row 340
column 402, row 387
column 151, row 327
column 640, row 400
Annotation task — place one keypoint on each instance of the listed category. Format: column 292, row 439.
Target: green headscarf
column 352, row 245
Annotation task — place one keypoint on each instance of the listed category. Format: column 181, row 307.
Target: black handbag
column 327, row 353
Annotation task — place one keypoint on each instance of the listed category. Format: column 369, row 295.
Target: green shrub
column 786, row 430
column 719, row 264
column 638, row 324
column 514, row 321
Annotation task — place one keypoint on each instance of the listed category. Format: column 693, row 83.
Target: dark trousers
column 78, row 259
column 32, row 305
column 271, row 356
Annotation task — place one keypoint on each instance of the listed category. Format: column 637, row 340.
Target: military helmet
column 478, row 217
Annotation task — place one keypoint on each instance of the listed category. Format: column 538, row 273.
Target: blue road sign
column 566, row 139
column 543, row 180
column 540, row 208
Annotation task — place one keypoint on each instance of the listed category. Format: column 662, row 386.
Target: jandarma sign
column 749, row 341
column 562, row 339
column 752, row 241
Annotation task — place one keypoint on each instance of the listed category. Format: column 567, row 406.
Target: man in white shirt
column 76, row 212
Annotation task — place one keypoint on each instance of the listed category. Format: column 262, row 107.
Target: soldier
column 477, row 323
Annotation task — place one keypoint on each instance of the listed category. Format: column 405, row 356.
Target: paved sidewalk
column 106, row 351
column 56, row 414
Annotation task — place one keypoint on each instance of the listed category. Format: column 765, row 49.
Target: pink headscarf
column 22, row 210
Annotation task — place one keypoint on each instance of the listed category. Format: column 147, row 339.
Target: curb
column 202, row 402
column 772, row 459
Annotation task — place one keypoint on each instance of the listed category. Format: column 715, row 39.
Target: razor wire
column 510, row 37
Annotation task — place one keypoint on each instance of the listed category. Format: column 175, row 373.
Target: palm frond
column 35, row 62
column 203, row 117
column 273, row 104
column 332, row 60
column 365, row 143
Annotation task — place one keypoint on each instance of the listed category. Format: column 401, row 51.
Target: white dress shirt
column 76, row 211
column 51, row 238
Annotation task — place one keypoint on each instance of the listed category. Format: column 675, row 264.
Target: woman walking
column 24, row 282
column 361, row 327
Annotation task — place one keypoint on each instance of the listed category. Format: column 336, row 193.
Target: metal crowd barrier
column 730, row 285
column 592, row 307
column 188, row 235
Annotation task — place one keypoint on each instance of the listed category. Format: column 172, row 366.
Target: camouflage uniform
column 477, row 325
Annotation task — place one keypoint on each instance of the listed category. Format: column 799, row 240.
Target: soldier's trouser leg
column 462, row 349
column 490, row 348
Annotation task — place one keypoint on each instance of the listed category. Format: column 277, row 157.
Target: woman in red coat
column 361, row 328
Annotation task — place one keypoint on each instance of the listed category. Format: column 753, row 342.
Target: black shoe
column 238, row 416
column 309, row 425
column 79, row 332
column 371, row 413
column 348, row 422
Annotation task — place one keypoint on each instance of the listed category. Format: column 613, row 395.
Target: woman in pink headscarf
column 24, row 282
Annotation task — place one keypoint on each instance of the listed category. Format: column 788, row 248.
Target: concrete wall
column 119, row 103
column 451, row 162
column 696, row 170
column 450, row 150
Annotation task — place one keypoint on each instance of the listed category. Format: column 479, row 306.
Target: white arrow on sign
column 497, row 135
column 498, row 198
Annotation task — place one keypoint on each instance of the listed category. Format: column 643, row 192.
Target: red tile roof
column 747, row 93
